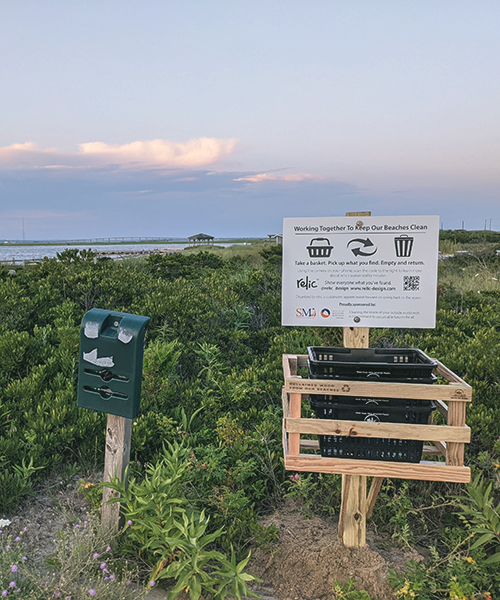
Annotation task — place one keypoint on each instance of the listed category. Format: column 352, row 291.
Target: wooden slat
column 398, row 431
column 309, row 444
column 285, row 403
column 449, row 375
column 302, row 360
column 429, row 450
column 425, row 470
column 372, row 496
column 380, row 389
column 441, row 446
column 456, row 417
column 442, row 408
column 286, row 365
column 295, row 411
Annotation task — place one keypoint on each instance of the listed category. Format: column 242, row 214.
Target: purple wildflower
column 7, row 548
column 108, row 548
column 103, row 566
column 25, row 558
column 95, row 555
column 14, row 568
column 12, row 584
column 92, row 592
column 129, row 522
column 4, row 593
column 18, row 539
column 151, row 583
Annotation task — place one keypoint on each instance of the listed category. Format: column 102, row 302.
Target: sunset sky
column 170, row 118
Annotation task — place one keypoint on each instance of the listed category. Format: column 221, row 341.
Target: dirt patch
column 309, row 559
column 302, row 566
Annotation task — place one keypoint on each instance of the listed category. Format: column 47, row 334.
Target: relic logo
column 305, row 313
column 306, row 283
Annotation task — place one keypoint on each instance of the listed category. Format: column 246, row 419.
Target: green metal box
column 110, row 368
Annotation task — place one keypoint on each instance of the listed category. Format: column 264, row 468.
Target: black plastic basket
column 405, row 365
column 362, row 409
column 393, row 410
column 334, row 446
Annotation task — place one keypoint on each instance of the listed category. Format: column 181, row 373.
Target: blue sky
column 162, row 118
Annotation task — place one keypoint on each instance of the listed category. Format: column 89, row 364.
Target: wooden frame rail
column 447, row 440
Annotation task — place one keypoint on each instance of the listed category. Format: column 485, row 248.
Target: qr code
column 411, row 283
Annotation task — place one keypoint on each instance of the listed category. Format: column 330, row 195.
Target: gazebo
column 201, row 238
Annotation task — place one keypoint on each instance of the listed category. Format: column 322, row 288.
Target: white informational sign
column 360, row 271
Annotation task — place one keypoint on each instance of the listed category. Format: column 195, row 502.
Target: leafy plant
column 483, row 516
column 167, row 531
column 348, row 591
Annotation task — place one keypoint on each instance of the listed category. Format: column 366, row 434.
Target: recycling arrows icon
column 362, row 247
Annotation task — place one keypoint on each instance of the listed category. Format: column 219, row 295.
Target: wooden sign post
column 355, row 506
column 116, row 461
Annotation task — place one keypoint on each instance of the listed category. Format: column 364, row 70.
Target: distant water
column 17, row 254
column 20, row 253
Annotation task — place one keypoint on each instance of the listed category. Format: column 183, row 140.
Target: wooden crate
column 446, row 441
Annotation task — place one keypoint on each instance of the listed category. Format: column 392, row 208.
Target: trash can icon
column 319, row 248
column 404, row 245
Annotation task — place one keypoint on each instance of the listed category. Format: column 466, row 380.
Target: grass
column 248, row 252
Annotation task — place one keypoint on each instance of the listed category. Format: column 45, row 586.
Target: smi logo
column 306, row 283
column 305, row 313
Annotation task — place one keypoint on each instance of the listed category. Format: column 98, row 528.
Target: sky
column 170, row 118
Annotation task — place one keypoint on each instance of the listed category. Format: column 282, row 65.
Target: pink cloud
column 139, row 154
column 272, row 177
column 194, row 153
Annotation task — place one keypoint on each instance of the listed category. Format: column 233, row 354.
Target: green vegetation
column 211, row 406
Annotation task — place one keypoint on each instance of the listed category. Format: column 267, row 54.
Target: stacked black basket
column 371, row 364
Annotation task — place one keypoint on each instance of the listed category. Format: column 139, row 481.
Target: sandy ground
column 303, row 565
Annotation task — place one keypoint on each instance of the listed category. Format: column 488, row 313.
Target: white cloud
column 139, row 154
column 272, row 177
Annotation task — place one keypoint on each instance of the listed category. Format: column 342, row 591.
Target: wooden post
column 456, row 416
column 295, row 412
column 355, row 507
column 117, row 458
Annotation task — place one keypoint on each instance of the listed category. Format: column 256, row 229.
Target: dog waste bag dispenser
column 110, row 369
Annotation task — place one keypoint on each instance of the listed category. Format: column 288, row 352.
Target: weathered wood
column 372, row 495
column 424, row 471
column 456, row 417
column 352, row 521
column 442, row 408
column 295, row 405
column 309, row 444
column 380, row 389
column 116, row 460
column 353, row 506
column 396, row 431
column 356, row 337
column 435, row 450
column 295, row 411
column 447, row 374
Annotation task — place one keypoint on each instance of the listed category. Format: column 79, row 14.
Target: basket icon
column 319, row 248
column 404, row 245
